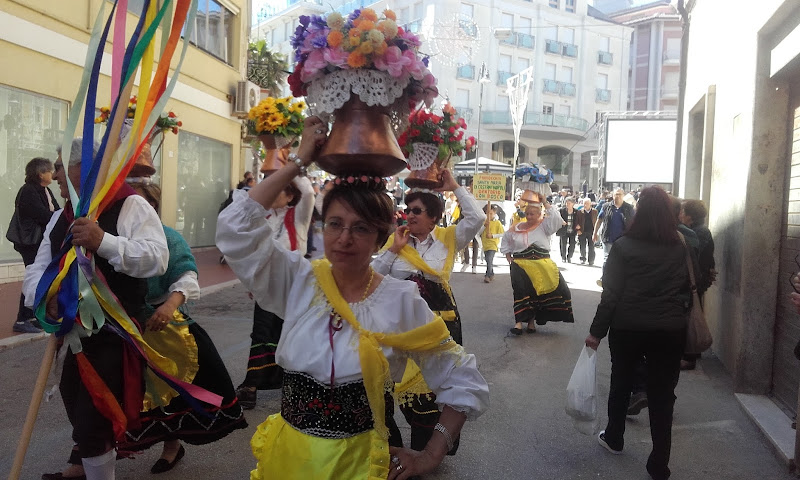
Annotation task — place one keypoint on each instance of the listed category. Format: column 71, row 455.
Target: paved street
column 524, row 435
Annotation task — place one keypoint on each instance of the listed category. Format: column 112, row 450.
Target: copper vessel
column 362, row 141
column 144, row 163
column 430, row 177
column 530, row 196
column 276, row 156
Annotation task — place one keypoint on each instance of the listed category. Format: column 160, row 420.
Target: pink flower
column 392, row 61
column 313, row 64
column 350, row 179
column 428, row 80
column 335, row 56
column 364, row 178
column 416, row 68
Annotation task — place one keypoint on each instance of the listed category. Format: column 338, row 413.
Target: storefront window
column 204, row 178
column 32, row 126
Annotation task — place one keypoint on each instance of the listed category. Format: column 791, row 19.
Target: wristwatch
column 299, row 162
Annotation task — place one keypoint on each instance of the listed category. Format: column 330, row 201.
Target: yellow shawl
column 430, row 337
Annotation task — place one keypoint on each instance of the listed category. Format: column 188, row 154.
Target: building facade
column 46, row 43
column 741, row 155
column 655, row 55
column 579, row 59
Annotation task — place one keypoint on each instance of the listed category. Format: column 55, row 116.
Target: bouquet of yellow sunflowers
column 277, row 116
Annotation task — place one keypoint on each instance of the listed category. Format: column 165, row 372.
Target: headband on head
column 367, row 182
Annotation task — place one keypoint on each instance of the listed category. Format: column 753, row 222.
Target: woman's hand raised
column 315, row 133
column 449, row 183
column 400, row 239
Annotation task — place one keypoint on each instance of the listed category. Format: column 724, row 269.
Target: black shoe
column 637, row 404
column 516, row 331
column 601, row 439
column 662, row 473
column 35, row 323
column 25, row 327
column 60, row 476
column 247, row 396
column 163, row 465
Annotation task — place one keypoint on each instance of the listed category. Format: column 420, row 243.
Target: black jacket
column 645, row 288
column 575, row 219
column 32, row 207
column 627, row 214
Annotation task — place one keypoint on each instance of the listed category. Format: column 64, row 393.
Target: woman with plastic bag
column 644, row 310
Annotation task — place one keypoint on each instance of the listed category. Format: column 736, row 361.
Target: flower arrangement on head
column 532, row 177
column 429, row 142
column 277, row 122
column 361, row 41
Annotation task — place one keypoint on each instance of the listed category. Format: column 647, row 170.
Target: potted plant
column 277, row 122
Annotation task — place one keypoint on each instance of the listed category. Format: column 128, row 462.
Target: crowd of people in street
column 375, row 274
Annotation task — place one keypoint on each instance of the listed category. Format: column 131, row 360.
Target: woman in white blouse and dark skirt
column 424, row 253
column 540, row 293
column 348, row 333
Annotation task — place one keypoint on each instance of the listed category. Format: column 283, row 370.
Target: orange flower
column 356, row 59
column 335, row 38
column 368, row 14
column 355, row 41
column 366, row 25
column 389, row 14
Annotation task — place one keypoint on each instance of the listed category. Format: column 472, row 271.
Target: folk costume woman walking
column 424, row 253
column 167, row 417
column 289, row 217
column 348, row 332
column 540, row 293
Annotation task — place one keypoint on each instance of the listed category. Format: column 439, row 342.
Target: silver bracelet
column 441, row 428
column 299, row 162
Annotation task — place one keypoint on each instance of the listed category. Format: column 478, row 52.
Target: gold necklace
column 371, row 276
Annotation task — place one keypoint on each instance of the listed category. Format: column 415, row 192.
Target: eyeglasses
column 334, row 228
column 57, row 167
column 415, row 210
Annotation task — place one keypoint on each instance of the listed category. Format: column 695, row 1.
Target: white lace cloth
column 330, row 92
column 423, row 156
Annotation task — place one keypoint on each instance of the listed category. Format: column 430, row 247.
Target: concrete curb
column 17, row 340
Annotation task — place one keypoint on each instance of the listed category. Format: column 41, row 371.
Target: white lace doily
column 328, row 93
column 543, row 188
column 281, row 141
column 423, row 156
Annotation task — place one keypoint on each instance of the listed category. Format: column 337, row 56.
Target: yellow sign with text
column 489, row 187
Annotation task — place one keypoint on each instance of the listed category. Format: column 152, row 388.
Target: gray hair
column 569, row 199
column 76, row 151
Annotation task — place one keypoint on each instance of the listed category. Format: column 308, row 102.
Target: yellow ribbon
column 448, row 237
column 430, row 337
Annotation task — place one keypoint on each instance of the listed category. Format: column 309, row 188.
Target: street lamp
column 483, row 79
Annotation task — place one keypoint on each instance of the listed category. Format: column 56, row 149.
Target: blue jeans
column 489, row 256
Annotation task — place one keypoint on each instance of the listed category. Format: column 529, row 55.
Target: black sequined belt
column 317, row 409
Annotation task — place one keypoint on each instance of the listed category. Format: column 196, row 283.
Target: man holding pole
column 129, row 246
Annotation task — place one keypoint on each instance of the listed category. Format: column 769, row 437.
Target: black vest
column 130, row 291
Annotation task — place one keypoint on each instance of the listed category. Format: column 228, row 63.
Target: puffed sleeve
column 472, row 218
column 187, row 284
column 452, row 374
column 507, row 244
column 303, row 211
column 383, row 262
column 552, row 221
column 265, row 268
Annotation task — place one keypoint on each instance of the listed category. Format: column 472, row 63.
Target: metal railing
column 413, row 27
column 526, row 41
column 569, row 50
column 503, row 76
column 551, row 86
column 503, row 117
column 466, row 71
column 605, row 58
column 567, row 89
column 464, row 112
column 603, row 95
column 552, row 46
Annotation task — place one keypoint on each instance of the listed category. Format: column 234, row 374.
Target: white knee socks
column 100, row 467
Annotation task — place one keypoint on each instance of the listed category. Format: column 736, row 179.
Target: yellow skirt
column 285, row 453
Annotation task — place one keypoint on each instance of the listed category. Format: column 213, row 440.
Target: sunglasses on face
column 415, row 210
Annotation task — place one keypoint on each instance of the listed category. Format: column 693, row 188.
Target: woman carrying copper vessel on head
column 540, row 293
column 424, row 253
column 347, row 335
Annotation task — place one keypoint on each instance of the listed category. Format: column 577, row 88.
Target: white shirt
column 431, row 249
column 516, row 240
column 140, row 249
column 302, row 216
column 283, row 282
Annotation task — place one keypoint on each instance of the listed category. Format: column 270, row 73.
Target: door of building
column 786, row 368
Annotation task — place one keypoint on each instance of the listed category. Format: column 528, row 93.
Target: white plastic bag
column 582, row 392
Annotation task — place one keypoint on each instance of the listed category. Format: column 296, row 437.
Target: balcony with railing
column 503, row 76
column 525, row 41
column 569, row 50
column 605, row 58
column 551, row 86
column 510, row 40
column 413, row 27
column 503, row 117
column 603, row 95
column 552, row 46
column 466, row 71
column 567, row 89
